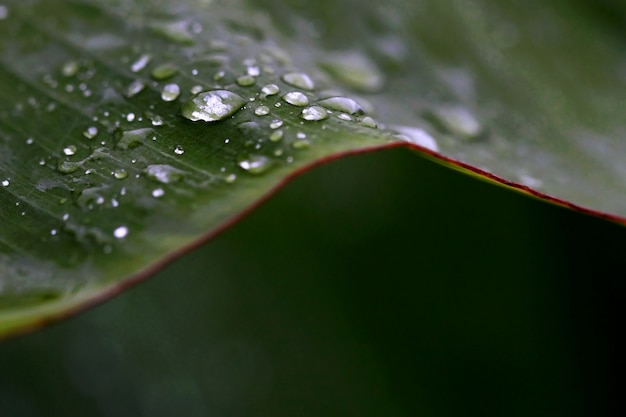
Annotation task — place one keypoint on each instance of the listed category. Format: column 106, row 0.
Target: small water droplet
column 140, row 63
column 299, row 80
column 300, row 144
column 276, row 135
column 314, row 113
column 5, row 183
column 270, row 90
column 276, row 124
column 130, row 117
column 219, row 75
column 296, row 98
column 121, row 232
column 91, row 132
column 179, row 150
column 211, row 106
column 120, row 174
column 255, row 164
column 262, row 111
column 165, row 174
column 69, row 150
column 231, row 178
column 344, row 117
column 457, row 121
column 369, row 122
column 175, row 31
column 196, row 89
column 158, row 193
column 416, row 136
column 156, row 120
column 246, row 81
column 70, row 69
column 163, row 72
column 30, row 141
column 170, row 92
column 135, row 88
column 342, row 104
column 4, row 12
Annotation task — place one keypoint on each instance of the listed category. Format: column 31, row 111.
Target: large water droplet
column 354, row 70
column 314, row 113
column 296, row 98
column 416, row 136
column 299, row 80
column 212, row 106
column 255, row 164
column 165, row 174
column 170, row 92
column 342, row 104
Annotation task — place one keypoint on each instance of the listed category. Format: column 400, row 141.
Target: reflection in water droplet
column 170, row 92
column 211, row 106
column 314, row 113
column 299, row 80
column 262, row 111
column 121, row 232
column 296, row 98
column 165, row 174
column 342, row 104
column 91, row 132
column 255, row 164
column 416, row 136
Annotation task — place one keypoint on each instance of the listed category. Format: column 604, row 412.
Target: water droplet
column 300, row 144
column 130, row 117
column 355, row 71
column 69, row 150
column 175, row 31
column 165, row 174
column 156, row 120
column 276, row 135
column 135, row 88
column 121, row 232
column 314, row 113
column 91, row 132
column 70, row 69
column 299, row 80
column 255, row 164
column 158, row 193
column 132, row 138
column 219, row 75
column 416, row 136
column 140, row 63
column 270, row 90
column 457, row 121
column 342, row 104
column 179, row 150
column 369, row 122
column 4, row 12
column 120, row 174
column 262, row 111
column 276, row 124
column 344, row 117
column 170, row 92
column 246, row 81
column 30, row 141
column 231, row 178
column 211, row 106
column 296, row 98
column 196, row 89
column 5, row 183
column 163, row 72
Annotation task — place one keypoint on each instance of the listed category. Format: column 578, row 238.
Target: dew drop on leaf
column 163, row 72
column 132, row 138
column 212, row 106
column 262, row 111
column 416, row 136
column 255, row 164
column 140, row 63
column 135, row 88
column 314, row 113
column 457, row 121
column 299, row 80
column 296, row 98
column 91, row 132
column 342, row 104
column 246, row 81
column 165, row 174
column 170, row 92
column 270, row 90
column 121, row 232
column 354, row 70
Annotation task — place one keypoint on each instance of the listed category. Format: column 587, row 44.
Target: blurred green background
column 378, row 285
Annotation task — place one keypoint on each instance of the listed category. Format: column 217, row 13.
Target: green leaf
column 132, row 132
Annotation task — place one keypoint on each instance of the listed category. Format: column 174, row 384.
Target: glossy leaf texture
column 133, row 131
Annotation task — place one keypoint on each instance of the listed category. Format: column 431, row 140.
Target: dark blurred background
column 379, row 285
